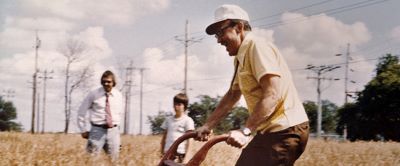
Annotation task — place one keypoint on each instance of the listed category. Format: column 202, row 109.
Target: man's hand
column 85, row 135
column 237, row 139
column 203, row 133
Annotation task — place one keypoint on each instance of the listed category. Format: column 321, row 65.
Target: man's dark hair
column 108, row 73
column 246, row 24
column 181, row 98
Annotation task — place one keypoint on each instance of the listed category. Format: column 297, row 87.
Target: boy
column 175, row 126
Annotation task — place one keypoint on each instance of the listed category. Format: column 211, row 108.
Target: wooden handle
column 170, row 154
column 199, row 157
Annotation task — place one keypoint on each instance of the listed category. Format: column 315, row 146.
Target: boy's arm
column 163, row 142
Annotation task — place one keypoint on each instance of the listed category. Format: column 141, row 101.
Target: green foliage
column 329, row 115
column 156, row 122
column 376, row 112
column 8, row 113
column 200, row 111
column 349, row 119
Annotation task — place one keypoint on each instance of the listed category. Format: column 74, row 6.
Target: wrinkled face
column 179, row 108
column 229, row 36
column 107, row 83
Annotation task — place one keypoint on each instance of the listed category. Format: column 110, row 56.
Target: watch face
column 246, row 131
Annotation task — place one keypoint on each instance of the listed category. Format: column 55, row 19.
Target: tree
column 329, row 115
column 376, row 113
column 73, row 50
column 201, row 110
column 7, row 113
column 156, row 122
column 349, row 116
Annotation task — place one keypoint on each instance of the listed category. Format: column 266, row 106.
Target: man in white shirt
column 104, row 106
column 175, row 126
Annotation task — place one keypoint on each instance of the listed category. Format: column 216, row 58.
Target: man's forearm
column 223, row 108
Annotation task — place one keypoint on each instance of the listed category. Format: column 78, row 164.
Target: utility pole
column 37, row 45
column 141, row 99
column 38, row 113
column 346, row 73
column 45, row 77
column 346, row 78
column 129, row 84
column 320, row 70
column 186, row 43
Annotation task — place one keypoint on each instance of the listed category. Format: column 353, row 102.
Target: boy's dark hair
column 108, row 73
column 181, row 98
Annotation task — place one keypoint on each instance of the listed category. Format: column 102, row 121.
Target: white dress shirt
column 95, row 102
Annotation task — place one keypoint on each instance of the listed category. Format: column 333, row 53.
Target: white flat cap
column 225, row 12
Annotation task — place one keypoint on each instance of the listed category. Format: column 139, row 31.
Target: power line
column 175, row 84
column 7, row 94
column 328, row 12
column 293, row 10
column 343, row 63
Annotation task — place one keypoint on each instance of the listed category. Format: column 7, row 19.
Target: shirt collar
column 243, row 48
column 110, row 93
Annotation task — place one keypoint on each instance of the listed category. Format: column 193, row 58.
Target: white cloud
column 63, row 8
column 98, row 46
column 317, row 41
column 321, row 35
column 396, row 33
column 162, row 71
column 20, row 32
column 267, row 35
column 39, row 23
column 122, row 12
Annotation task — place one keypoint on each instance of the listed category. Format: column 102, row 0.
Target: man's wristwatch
column 246, row 131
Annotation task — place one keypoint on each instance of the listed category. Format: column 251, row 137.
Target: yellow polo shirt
column 257, row 58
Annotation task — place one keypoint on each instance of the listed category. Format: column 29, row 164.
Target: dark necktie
column 108, row 112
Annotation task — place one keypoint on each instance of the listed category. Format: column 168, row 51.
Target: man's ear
column 239, row 27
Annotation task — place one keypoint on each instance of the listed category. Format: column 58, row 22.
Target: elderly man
column 105, row 106
column 277, row 117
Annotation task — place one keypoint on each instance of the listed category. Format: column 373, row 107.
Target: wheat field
column 68, row 149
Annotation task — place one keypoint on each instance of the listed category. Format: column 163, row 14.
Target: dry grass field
column 59, row 149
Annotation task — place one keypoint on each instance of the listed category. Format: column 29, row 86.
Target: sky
column 150, row 33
